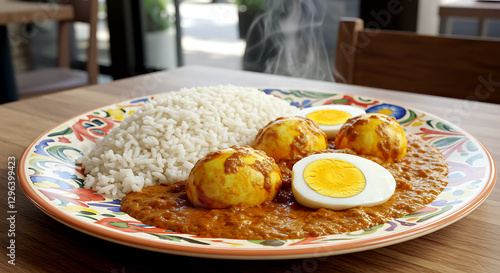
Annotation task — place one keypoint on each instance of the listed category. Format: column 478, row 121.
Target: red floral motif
column 130, row 226
column 92, row 127
column 64, row 140
column 349, row 100
column 83, row 195
column 428, row 134
column 431, row 135
column 87, row 195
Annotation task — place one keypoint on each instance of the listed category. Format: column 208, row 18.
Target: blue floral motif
column 270, row 91
column 69, row 176
column 64, row 185
column 442, row 203
column 66, row 175
column 113, row 206
column 304, row 104
column 40, row 148
column 139, row 100
column 389, row 109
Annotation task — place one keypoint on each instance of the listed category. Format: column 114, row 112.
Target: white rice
column 161, row 141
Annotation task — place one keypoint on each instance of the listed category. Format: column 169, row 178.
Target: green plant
column 157, row 17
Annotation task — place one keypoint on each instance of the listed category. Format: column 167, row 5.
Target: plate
column 53, row 181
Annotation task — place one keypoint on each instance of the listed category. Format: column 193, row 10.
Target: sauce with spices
column 420, row 177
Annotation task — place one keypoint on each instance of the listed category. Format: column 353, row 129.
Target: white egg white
column 380, row 184
column 332, row 130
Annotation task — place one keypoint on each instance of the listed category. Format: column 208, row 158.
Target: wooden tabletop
column 29, row 12
column 45, row 245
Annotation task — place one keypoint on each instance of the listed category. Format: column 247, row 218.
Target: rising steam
column 294, row 38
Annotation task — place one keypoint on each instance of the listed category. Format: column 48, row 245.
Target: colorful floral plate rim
column 53, row 181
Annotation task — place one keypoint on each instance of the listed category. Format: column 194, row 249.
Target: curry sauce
column 420, row 177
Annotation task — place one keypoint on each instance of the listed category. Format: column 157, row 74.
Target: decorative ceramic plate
column 53, row 181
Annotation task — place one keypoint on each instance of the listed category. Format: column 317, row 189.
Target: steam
column 294, row 38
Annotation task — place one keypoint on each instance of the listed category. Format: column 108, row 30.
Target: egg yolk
column 334, row 178
column 329, row 117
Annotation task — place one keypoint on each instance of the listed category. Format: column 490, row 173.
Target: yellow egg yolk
column 329, row 117
column 334, row 178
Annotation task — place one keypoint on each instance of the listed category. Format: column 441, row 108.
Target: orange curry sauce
column 420, row 177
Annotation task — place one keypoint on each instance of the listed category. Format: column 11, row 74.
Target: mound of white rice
column 161, row 141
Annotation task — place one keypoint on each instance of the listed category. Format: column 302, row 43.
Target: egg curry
column 297, row 182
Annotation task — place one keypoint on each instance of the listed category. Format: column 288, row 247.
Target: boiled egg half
column 331, row 117
column 340, row 181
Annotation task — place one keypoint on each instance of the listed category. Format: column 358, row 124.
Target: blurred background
column 286, row 37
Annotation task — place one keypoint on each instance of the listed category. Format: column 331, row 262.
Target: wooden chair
column 436, row 65
column 63, row 77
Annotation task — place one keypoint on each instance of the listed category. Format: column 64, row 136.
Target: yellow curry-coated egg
column 290, row 138
column 238, row 175
column 375, row 135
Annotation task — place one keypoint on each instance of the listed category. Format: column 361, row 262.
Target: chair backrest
column 437, row 65
column 84, row 11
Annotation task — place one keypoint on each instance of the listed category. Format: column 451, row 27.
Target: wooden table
column 483, row 11
column 45, row 245
column 12, row 12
